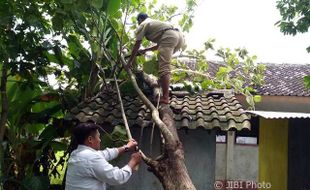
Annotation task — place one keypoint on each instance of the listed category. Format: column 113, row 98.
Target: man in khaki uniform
column 168, row 39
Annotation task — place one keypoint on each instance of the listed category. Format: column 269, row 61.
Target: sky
column 249, row 24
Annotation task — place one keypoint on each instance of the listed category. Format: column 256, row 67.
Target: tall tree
column 295, row 16
column 295, row 19
column 81, row 44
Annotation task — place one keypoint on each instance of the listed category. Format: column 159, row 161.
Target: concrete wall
column 199, row 147
column 299, row 154
column 245, row 162
column 280, row 103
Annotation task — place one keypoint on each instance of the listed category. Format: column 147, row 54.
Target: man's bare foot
column 164, row 100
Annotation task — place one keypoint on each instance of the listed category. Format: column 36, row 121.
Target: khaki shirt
column 152, row 30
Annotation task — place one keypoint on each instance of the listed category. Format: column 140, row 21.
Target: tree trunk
column 170, row 167
column 4, row 116
column 93, row 79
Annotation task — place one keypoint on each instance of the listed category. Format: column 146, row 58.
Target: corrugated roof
column 279, row 115
column 191, row 111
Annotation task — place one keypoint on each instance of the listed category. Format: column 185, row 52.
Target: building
column 222, row 141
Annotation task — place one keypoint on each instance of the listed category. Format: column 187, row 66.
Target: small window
column 221, row 138
column 246, row 140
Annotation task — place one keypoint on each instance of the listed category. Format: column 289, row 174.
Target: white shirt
column 90, row 169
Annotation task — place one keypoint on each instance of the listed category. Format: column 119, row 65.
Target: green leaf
column 257, row 98
column 36, row 183
column 58, row 146
column 307, row 81
column 113, row 6
column 119, row 130
column 151, row 67
column 82, row 5
column 95, row 47
column 41, row 106
column 97, row 3
column 176, row 77
column 206, row 84
column 58, row 22
column 20, row 98
column 34, row 128
column 119, row 135
column 118, row 14
column 115, row 24
column 48, row 133
column 127, row 88
column 223, row 71
column 209, row 44
column 66, row 1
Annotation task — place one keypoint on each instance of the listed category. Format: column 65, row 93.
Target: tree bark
column 170, row 167
column 4, row 116
column 93, row 79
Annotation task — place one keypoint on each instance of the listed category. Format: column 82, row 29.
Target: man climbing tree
column 168, row 39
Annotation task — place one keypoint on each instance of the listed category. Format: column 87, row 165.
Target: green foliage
column 118, row 137
column 307, row 81
column 59, row 176
column 36, row 183
column 238, row 72
column 113, row 6
column 295, row 16
column 257, row 98
column 79, row 43
column 127, row 88
column 151, row 66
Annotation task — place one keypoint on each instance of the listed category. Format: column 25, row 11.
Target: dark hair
column 84, row 130
column 142, row 16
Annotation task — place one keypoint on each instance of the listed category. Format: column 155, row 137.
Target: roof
column 280, row 79
column 191, row 111
column 285, row 80
column 280, row 115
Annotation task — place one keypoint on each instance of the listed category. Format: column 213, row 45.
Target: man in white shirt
column 88, row 166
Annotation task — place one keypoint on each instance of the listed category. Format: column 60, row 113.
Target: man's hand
column 133, row 54
column 136, row 157
column 139, row 52
column 132, row 144
column 135, row 160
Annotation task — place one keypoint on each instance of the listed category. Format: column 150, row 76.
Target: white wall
column 245, row 163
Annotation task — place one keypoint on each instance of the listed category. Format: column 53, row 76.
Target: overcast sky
column 249, row 24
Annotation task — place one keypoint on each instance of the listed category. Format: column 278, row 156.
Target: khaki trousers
column 170, row 42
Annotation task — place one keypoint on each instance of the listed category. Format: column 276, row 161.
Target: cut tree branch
column 122, row 109
column 151, row 81
column 191, row 72
column 170, row 139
